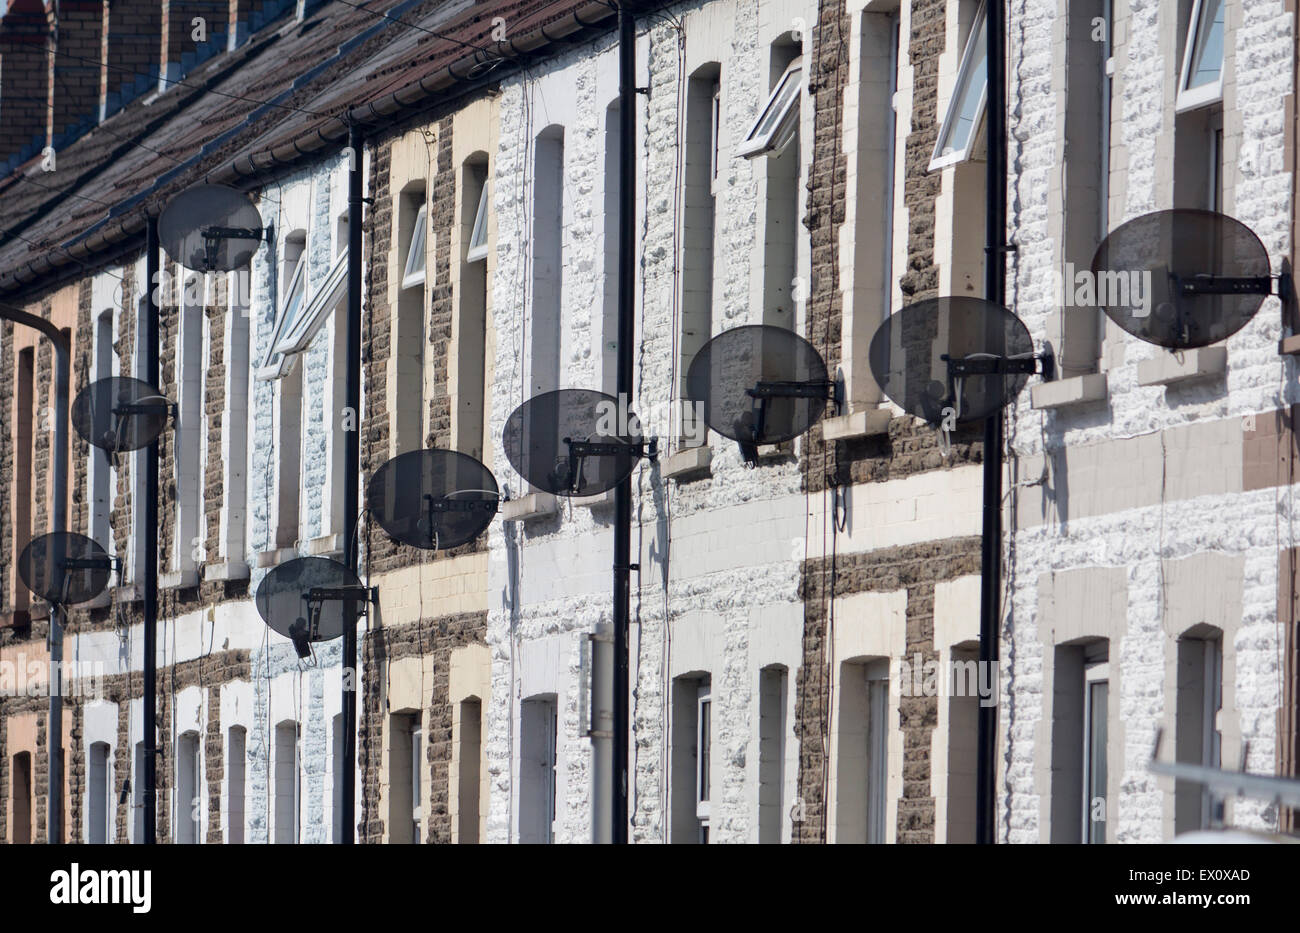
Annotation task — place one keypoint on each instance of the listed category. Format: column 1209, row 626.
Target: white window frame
column 318, row 306
column 965, row 75
column 478, row 237
column 413, row 276
column 703, row 757
column 1094, row 674
column 1190, row 98
column 786, row 105
column 275, row 364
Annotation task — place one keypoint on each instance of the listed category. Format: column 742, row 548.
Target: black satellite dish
column 306, row 600
column 1180, row 279
column 952, row 360
column 210, row 228
column 759, row 384
column 64, row 568
column 574, row 442
column 119, row 414
column 433, row 499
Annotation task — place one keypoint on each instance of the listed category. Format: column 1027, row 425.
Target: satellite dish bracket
column 212, row 237
column 361, row 594
column 581, row 450
column 764, row 390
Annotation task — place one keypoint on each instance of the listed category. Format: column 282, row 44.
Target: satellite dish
column 306, row 600
column 951, row 360
column 574, row 442
column 64, row 568
column 1180, row 278
column 210, row 228
column 760, row 384
column 119, row 414
column 433, row 499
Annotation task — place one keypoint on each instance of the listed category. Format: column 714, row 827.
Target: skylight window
column 414, row 274
column 1201, row 81
column 965, row 113
column 777, row 123
column 478, row 238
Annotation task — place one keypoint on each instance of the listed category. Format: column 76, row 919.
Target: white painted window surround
column 1200, row 81
column 965, row 113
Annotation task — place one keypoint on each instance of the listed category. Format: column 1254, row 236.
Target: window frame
column 478, row 237
column 275, row 364
column 786, row 125
column 876, row 675
column 938, row 158
column 1192, row 98
column 715, row 136
column 415, row 250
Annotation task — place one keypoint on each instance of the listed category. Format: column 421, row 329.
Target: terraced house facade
column 816, row 166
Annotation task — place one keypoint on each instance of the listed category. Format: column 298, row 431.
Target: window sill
column 226, row 571
column 1289, row 346
column 275, row 557
column 178, row 580
column 102, row 601
column 1073, row 390
column 1167, row 369
column 595, row 502
column 128, row 593
column 533, row 505
column 687, row 461
column 326, row 546
column 869, row 422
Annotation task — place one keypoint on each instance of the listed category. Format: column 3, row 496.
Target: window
column 548, row 260
column 236, row 745
column 862, row 752
column 1198, row 741
column 963, row 728
column 408, row 344
column 24, row 441
column 699, row 210
column 137, row 795
column 471, row 323
column 781, row 174
column 417, row 765
column 336, row 767
column 478, row 237
column 188, row 783
column 690, row 775
column 1199, row 158
column 962, row 121
column 20, row 781
column 405, row 763
column 1201, row 79
column 1095, row 700
column 537, row 766
column 703, row 765
column 415, row 259
column 608, row 335
column 308, row 319
column 771, row 753
column 470, row 747
column 288, row 447
column 100, row 803
column 715, row 133
column 294, row 289
column 778, row 122
column 287, row 788
column 189, row 430
column 102, row 477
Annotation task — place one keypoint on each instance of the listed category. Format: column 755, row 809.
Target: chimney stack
column 134, row 29
column 79, row 52
column 24, row 78
column 181, row 51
